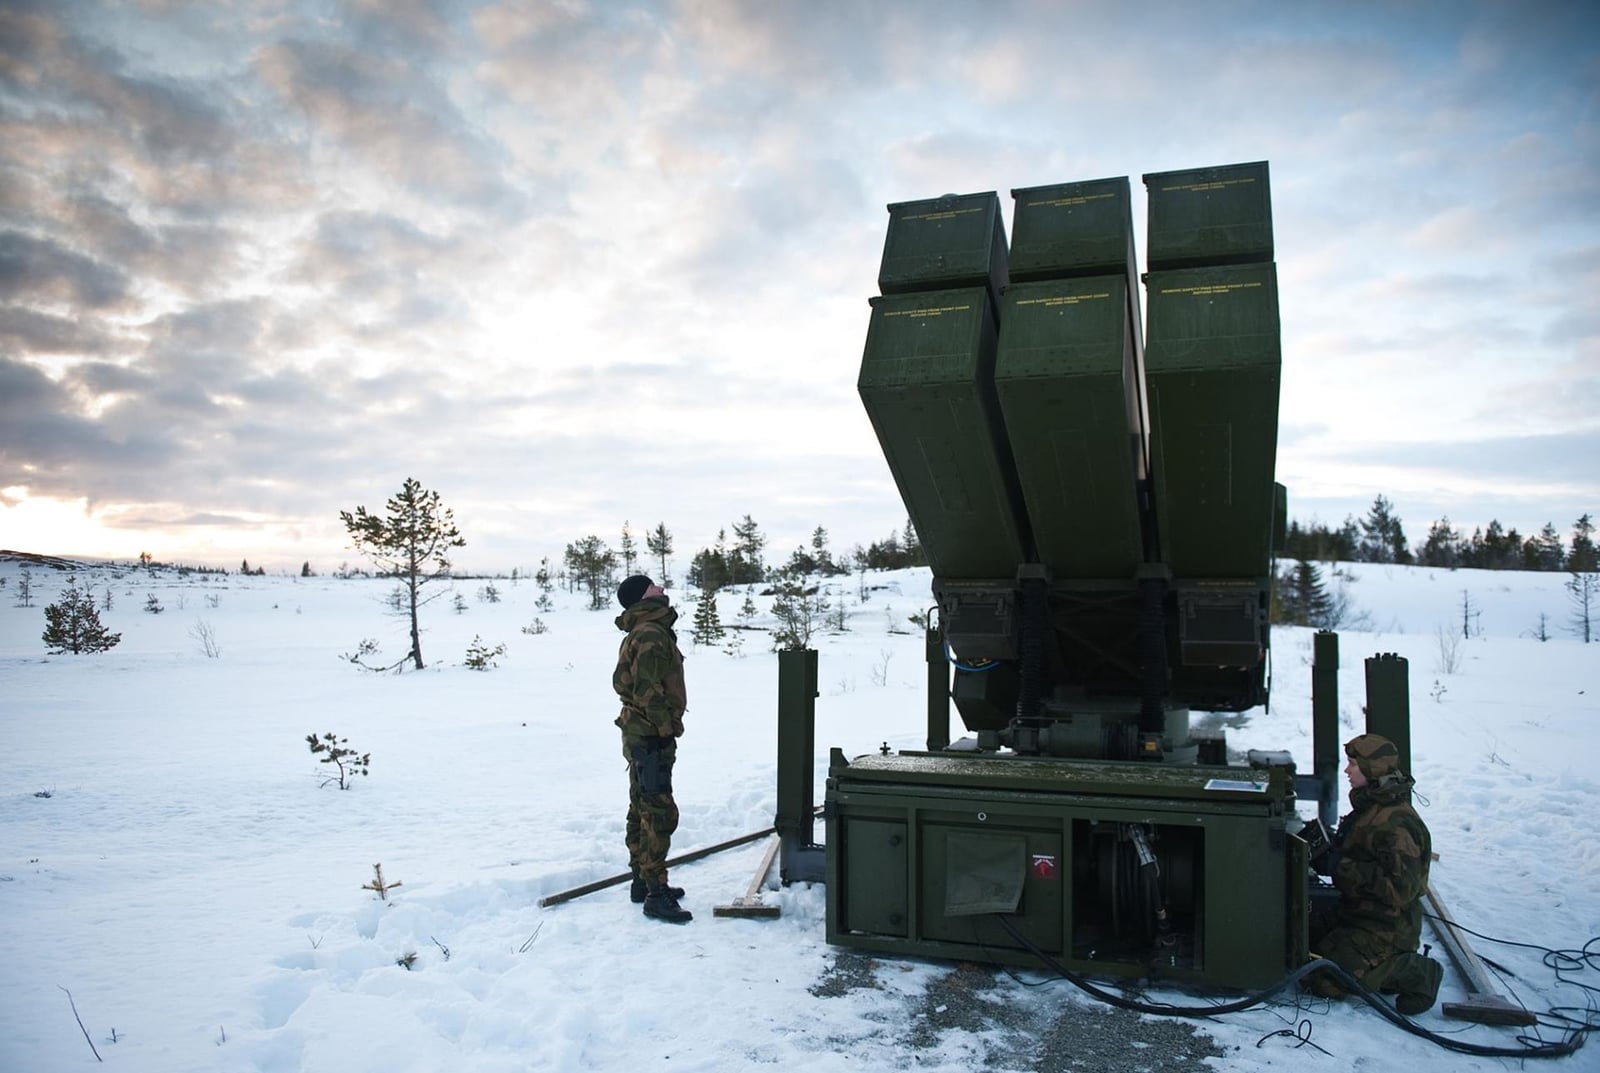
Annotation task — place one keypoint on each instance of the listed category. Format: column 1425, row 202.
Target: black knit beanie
column 631, row 591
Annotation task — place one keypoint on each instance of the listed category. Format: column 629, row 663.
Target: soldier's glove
column 1321, row 851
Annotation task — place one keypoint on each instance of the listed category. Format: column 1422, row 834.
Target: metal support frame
column 1325, row 755
column 801, row 860
column 1389, row 703
column 938, row 691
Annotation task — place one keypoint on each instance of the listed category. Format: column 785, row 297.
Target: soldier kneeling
column 1379, row 863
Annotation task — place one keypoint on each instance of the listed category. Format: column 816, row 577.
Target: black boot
column 639, row 889
column 661, row 904
column 1415, row 979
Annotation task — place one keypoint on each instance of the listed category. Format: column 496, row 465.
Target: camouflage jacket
column 649, row 674
column 1384, row 850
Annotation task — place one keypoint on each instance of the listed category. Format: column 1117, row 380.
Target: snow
column 168, row 856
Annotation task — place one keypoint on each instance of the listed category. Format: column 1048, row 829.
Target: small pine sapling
column 73, row 625
column 334, row 751
column 380, row 885
column 152, row 605
column 480, row 657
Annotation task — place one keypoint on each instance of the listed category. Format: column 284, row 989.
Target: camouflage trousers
column 652, row 814
column 1370, row 954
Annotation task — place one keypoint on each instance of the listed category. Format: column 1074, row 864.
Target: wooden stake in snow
column 379, row 885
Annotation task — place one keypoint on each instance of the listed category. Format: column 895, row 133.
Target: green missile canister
column 927, row 382
column 1209, row 216
column 1064, row 352
column 1072, row 229
column 1212, row 367
column 942, row 243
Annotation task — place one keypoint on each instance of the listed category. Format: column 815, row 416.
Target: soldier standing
column 1379, row 863
column 649, row 682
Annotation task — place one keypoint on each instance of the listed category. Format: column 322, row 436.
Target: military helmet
column 1374, row 754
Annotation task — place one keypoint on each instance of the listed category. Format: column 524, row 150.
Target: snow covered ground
column 168, row 857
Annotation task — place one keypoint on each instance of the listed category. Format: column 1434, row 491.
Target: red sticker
column 1044, row 866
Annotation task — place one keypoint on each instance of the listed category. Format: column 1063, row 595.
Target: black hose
column 1348, row 982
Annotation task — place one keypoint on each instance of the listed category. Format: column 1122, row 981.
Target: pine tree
column 1302, row 600
column 1442, row 547
column 1383, row 539
column 1544, row 551
column 73, row 625
column 411, row 541
column 1582, row 557
column 708, row 569
column 745, row 564
column 707, row 624
column 915, row 556
column 629, row 549
column 658, row 542
column 594, row 566
column 1583, row 586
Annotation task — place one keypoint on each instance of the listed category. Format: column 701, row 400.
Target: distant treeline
column 1381, row 538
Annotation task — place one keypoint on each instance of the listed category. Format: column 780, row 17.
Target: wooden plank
column 1484, row 1003
column 750, row 903
column 624, row 877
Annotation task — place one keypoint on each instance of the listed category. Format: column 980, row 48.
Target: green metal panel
column 1072, row 229
column 1246, row 901
column 1123, row 779
column 1060, row 371
column 875, row 855
column 927, row 382
column 1212, row 364
column 956, row 240
column 1209, row 216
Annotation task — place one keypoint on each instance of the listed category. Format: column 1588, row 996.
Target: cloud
column 574, row 262
column 25, row 330
column 389, row 115
column 44, row 271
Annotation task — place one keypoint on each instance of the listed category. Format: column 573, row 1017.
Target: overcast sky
column 572, row 264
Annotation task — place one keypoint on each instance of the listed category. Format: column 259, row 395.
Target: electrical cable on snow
column 1301, row 1031
column 1530, row 1047
column 1560, row 962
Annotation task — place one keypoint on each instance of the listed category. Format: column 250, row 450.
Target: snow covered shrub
column 334, row 751
column 152, row 605
column 73, row 625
